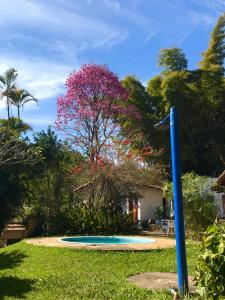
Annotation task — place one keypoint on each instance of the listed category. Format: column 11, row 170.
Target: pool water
column 107, row 240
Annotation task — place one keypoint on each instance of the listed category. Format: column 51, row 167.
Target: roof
column 156, row 187
column 221, row 179
column 148, row 186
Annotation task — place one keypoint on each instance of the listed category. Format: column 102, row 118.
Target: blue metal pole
column 178, row 205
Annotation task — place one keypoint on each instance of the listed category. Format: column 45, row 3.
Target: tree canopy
column 199, row 96
column 214, row 56
column 95, row 98
column 172, row 59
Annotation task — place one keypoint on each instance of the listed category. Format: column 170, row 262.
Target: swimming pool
column 121, row 240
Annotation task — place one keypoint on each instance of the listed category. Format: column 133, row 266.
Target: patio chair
column 167, row 226
column 171, row 226
column 164, row 225
column 158, row 224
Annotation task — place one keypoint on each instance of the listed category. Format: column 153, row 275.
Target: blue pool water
column 107, row 240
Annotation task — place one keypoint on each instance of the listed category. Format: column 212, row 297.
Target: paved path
column 160, row 243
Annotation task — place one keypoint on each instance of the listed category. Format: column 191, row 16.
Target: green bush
column 210, row 278
column 82, row 220
column 200, row 209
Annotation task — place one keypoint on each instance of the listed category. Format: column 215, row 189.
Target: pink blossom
column 93, row 102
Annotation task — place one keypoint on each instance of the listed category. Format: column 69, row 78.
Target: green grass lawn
column 35, row 272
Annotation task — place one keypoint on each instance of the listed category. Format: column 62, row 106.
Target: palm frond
column 2, row 79
column 10, row 76
column 20, row 97
column 28, row 99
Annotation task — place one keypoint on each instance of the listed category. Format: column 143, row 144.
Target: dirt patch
column 158, row 280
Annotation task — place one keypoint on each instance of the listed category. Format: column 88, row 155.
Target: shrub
column 210, row 278
column 199, row 206
column 82, row 220
column 159, row 212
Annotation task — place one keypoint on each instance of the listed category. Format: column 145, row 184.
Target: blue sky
column 47, row 39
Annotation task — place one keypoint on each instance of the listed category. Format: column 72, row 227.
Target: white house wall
column 217, row 196
column 148, row 203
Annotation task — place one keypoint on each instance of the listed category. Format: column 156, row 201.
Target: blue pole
column 178, row 205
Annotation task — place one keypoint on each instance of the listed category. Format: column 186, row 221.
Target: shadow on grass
column 9, row 260
column 15, row 287
column 11, row 286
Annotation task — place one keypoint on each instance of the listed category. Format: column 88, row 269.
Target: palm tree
column 19, row 98
column 7, row 81
column 16, row 125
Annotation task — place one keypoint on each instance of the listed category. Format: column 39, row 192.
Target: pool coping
column 160, row 243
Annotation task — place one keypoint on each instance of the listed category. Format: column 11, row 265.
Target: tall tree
column 178, row 90
column 154, row 90
column 88, row 113
column 199, row 96
column 7, row 81
column 19, row 98
column 49, row 189
column 140, row 131
column 15, row 155
column 212, row 66
column 212, row 86
column 172, row 59
column 214, row 56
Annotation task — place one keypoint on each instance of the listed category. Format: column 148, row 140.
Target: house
column 221, row 194
column 151, row 197
column 144, row 207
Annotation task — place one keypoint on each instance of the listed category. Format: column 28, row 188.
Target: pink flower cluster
column 92, row 91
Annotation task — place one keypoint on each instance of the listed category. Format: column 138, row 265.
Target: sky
column 45, row 40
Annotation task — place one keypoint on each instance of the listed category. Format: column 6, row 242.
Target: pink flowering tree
column 88, row 115
column 89, row 110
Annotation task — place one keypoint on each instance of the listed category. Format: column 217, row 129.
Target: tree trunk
column 8, row 108
column 18, row 113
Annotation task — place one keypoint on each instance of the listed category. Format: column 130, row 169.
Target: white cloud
column 165, row 3
column 150, row 37
column 112, row 4
column 185, row 36
column 202, row 18
column 26, row 12
column 58, row 21
column 43, row 78
column 43, row 42
column 107, row 42
column 63, row 47
column 217, row 6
